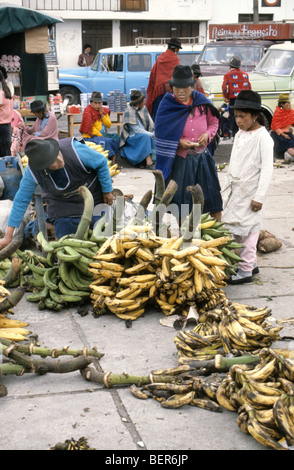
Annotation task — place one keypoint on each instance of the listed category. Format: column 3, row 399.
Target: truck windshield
column 277, row 62
column 213, row 54
column 95, row 64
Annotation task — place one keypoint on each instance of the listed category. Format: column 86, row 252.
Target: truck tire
column 70, row 93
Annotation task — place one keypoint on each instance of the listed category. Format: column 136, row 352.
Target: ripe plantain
column 261, row 433
column 206, row 404
column 283, row 418
column 137, row 392
column 178, row 400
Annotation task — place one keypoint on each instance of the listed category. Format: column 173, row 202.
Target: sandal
column 150, row 167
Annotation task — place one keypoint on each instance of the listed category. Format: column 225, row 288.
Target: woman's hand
column 203, row 139
column 186, row 144
column 286, row 136
column 108, row 198
column 256, row 206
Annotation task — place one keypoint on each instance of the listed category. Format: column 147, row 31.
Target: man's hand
column 256, row 206
column 6, row 240
column 108, row 198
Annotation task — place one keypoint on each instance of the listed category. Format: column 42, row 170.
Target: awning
column 16, row 19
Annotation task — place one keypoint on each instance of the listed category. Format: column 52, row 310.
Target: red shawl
column 90, row 116
column 282, row 118
column 161, row 72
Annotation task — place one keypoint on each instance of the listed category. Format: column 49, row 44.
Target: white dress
column 248, row 178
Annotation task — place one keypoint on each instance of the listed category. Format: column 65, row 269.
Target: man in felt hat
column 94, row 125
column 196, row 71
column 45, row 126
column 160, row 73
column 233, row 82
column 137, row 136
column 60, row 168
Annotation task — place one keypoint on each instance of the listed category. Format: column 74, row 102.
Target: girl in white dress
column 248, row 178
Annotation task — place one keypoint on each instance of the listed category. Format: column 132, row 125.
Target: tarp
column 16, row 19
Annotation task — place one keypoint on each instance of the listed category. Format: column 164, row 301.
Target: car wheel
column 70, row 94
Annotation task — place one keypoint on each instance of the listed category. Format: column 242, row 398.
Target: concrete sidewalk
column 40, row 411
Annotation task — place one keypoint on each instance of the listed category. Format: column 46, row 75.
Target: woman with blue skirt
column 137, row 137
column 185, row 124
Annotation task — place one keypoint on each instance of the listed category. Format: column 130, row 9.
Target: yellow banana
column 282, row 417
column 261, row 434
column 138, row 393
column 206, row 404
column 178, row 400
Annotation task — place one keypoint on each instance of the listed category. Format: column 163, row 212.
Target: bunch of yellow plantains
column 135, row 268
column 11, row 329
column 185, row 389
column 230, row 328
column 263, row 397
column 113, row 169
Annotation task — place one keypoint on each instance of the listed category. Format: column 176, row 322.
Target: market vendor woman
column 283, row 120
column 60, row 168
column 95, row 117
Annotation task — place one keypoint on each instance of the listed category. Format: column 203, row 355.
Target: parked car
column 118, row 68
column 273, row 75
column 215, row 56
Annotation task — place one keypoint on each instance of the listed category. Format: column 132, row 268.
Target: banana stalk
column 12, row 299
column 109, row 379
column 13, row 271
column 159, row 186
column 43, row 366
column 44, row 352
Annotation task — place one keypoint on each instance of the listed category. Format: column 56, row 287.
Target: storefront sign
column 270, row 31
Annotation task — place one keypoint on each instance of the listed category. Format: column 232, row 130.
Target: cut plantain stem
column 39, row 351
column 109, row 379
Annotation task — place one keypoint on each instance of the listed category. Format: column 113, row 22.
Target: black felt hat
column 196, row 69
column 37, row 106
column 248, row 99
column 41, row 153
column 182, row 77
column 177, row 43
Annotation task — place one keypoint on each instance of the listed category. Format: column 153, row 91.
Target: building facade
column 106, row 23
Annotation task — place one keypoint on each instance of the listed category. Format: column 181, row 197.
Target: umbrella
column 16, row 19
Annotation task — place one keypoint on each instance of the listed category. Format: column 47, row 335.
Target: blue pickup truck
column 120, row 68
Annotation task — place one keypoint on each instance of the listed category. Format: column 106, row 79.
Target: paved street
column 40, row 411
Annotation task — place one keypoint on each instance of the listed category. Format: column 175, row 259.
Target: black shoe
column 255, row 270
column 150, row 167
column 240, row 278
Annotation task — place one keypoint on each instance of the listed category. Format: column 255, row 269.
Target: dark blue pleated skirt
column 282, row 144
column 197, row 169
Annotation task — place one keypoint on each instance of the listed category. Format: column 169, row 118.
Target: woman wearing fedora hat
column 95, row 117
column 282, row 122
column 248, row 178
column 44, row 127
column 160, row 74
column 185, row 124
column 137, row 136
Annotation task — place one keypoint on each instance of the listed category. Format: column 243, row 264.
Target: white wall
column 69, row 42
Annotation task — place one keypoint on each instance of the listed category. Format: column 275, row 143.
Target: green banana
column 64, row 255
column 46, row 246
column 48, row 281
column 63, row 289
